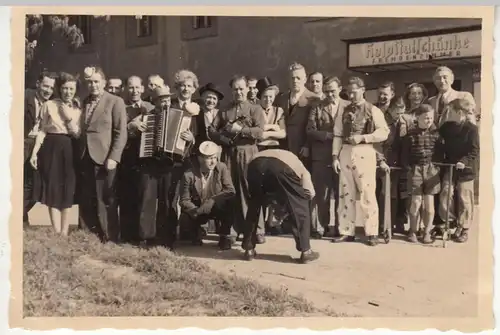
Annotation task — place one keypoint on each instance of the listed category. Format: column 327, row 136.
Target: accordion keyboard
column 148, row 142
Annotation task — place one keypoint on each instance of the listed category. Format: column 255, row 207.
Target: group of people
column 309, row 159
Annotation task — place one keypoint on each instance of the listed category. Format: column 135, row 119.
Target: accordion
column 163, row 132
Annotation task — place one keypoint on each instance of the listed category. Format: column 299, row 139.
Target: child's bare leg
column 428, row 213
column 416, row 203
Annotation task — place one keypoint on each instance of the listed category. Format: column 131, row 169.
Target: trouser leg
column 348, row 194
column 364, row 169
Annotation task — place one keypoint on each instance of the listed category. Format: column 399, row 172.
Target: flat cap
column 162, row 91
column 209, row 148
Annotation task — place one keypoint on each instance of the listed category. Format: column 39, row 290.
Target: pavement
column 389, row 280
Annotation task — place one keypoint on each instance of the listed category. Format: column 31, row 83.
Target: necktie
column 440, row 105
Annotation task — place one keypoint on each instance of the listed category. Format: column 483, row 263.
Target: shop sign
column 445, row 46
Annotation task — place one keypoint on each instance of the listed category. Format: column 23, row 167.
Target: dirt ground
column 397, row 279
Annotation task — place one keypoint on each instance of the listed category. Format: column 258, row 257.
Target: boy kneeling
column 421, row 147
column 461, row 147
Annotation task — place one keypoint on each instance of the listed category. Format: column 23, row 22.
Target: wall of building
column 259, row 46
column 266, row 46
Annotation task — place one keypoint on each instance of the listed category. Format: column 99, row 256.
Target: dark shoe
column 331, row 233
column 437, row 231
column 275, row 231
column 372, row 241
column 197, row 242
column 261, row 239
column 250, row 254
column 317, row 236
column 308, row 256
column 412, row 237
column 225, row 243
column 427, row 239
column 457, row 233
column 344, row 238
column 464, row 236
column 239, row 238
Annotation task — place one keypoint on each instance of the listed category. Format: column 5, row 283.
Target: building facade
column 402, row 50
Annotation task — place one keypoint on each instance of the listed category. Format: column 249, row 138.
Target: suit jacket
column 219, row 189
column 296, row 118
column 442, row 116
column 320, row 122
column 106, row 134
column 29, row 121
column 208, row 132
column 253, row 124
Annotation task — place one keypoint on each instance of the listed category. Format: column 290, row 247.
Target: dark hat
column 212, row 88
column 265, row 84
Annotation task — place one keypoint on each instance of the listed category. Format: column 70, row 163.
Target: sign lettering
column 447, row 46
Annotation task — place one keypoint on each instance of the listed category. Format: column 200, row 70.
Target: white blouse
column 53, row 121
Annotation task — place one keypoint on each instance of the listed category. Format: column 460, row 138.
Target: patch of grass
column 79, row 276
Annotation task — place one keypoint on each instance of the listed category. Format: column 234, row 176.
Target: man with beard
column 206, row 192
column 243, row 123
column 315, row 84
column 253, row 90
column 114, row 86
column 325, row 180
column 128, row 188
column 356, row 130
column 103, row 138
column 33, row 101
column 297, row 105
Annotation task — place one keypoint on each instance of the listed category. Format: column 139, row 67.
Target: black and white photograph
column 255, row 166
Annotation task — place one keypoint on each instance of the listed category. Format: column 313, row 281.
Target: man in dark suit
column 297, row 105
column 128, row 169
column 103, row 138
column 33, row 101
column 206, row 192
column 325, row 180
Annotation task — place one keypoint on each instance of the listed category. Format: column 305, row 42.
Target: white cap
column 209, row 148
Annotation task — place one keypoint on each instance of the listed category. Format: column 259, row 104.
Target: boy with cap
column 205, row 193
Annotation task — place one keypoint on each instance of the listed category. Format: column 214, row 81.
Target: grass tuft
column 79, row 276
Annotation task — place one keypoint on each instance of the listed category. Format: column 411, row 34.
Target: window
column 84, row 23
column 202, row 22
column 195, row 27
column 141, row 31
column 144, row 26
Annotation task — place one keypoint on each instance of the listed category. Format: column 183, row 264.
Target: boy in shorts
column 420, row 148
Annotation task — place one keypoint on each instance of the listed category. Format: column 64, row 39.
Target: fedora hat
column 162, row 91
column 212, row 88
column 266, row 84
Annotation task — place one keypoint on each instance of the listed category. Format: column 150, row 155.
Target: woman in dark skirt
column 53, row 152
